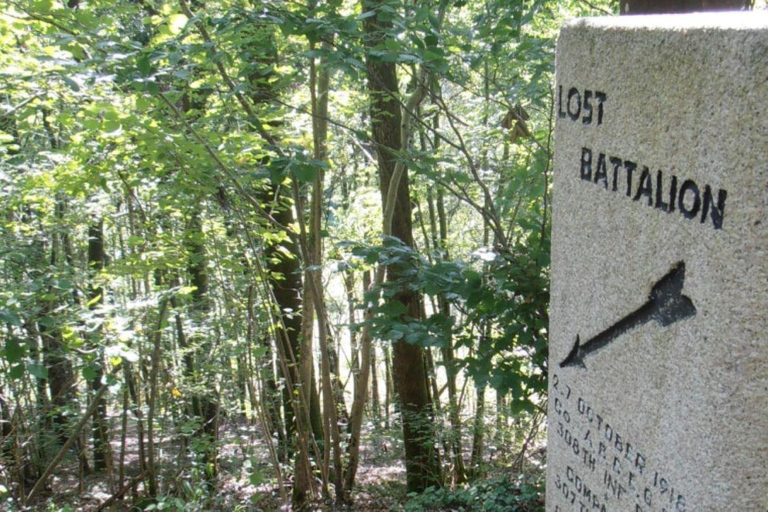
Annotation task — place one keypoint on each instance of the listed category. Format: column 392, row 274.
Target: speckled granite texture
column 660, row 266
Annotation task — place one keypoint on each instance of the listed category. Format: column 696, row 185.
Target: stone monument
column 658, row 368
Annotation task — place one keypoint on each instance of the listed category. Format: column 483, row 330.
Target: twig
column 119, row 494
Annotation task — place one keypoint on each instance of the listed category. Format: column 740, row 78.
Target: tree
column 391, row 138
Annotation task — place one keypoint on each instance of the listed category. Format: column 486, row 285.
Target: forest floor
column 246, row 480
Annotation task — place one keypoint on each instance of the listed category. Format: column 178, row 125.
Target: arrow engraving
column 666, row 305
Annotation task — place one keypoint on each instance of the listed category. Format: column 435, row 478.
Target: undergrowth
column 497, row 494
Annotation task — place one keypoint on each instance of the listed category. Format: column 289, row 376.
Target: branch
column 413, row 102
column 72, row 438
column 219, row 163
column 12, row 110
column 490, row 213
column 254, row 119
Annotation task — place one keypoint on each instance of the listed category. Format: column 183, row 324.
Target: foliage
column 180, row 134
column 499, row 494
column 503, row 302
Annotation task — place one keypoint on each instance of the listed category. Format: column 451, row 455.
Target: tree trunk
column 421, row 462
column 102, row 453
column 366, row 365
column 501, row 419
column 478, row 434
column 388, row 384
column 206, row 403
column 375, row 402
column 439, row 229
column 61, row 378
column 157, row 336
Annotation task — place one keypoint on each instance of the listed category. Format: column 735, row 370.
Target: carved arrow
column 666, row 305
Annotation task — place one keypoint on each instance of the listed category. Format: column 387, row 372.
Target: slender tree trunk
column 137, row 410
column 5, row 426
column 375, row 401
column 60, row 373
column 207, row 402
column 269, row 396
column 303, row 480
column 459, row 469
column 157, row 336
column 332, row 407
column 349, row 289
column 365, row 366
column 501, row 419
column 123, row 437
column 478, row 434
column 388, row 384
column 102, row 453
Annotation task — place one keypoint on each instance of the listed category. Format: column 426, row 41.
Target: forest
column 276, row 254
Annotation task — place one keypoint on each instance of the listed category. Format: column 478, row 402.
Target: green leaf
column 304, row 173
column 256, row 478
column 10, row 318
column 17, row 371
column 64, row 284
column 90, row 372
column 37, row 370
column 143, row 65
column 71, row 83
column 47, row 321
column 15, row 349
column 42, row 6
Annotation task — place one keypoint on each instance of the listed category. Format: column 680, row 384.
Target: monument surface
column 658, row 395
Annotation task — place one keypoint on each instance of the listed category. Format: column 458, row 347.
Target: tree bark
column 61, row 378
column 478, row 434
column 388, row 384
column 207, row 403
column 102, row 453
column 365, row 367
column 157, row 336
column 421, row 462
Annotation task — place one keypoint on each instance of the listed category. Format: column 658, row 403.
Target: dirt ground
column 243, row 454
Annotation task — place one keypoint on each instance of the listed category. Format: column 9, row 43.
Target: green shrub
column 500, row 494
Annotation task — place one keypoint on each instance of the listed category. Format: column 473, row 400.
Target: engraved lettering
column 717, row 211
column 601, row 174
column 690, row 199
column 689, row 206
column 630, row 167
column 616, row 165
column 586, row 164
column 644, row 188
column 573, row 93
column 600, row 97
column 581, row 104
column 587, row 119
